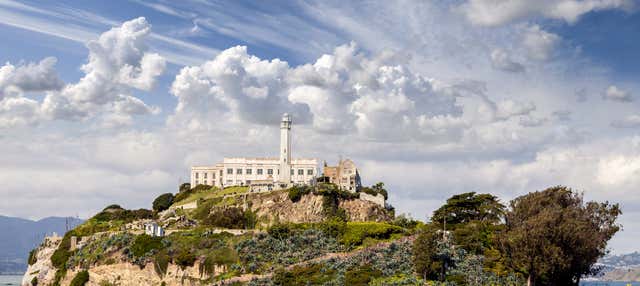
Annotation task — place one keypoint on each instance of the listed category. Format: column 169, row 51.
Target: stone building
column 268, row 173
column 345, row 175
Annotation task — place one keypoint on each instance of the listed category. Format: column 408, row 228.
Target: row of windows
column 213, row 175
column 269, row 171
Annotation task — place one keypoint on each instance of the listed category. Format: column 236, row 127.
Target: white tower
column 285, row 149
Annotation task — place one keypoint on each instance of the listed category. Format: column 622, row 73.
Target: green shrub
column 80, row 279
column 113, row 207
column 361, row 276
column 160, row 263
column 123, row 215
column 304, row 275
column 34, row 281
column 33, row 256
column 61, row 255
column 144, row 244
column 357, row 232
column 162, row 202
column 184, row 187
column 335, row 227
column 279, row 231
column 185, row 258
column 296, row 192
column 228, row 218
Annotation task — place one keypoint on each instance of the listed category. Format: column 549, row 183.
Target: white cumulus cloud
column 498, row 12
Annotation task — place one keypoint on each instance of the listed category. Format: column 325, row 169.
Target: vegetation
column 296, row 192
column 550, row 237
column 376, row 189
column 234, row 218
column 554, row 237
column 163, row 202
column 34, row 281
column 144, row 244
column 80, row 279
column 33, row 256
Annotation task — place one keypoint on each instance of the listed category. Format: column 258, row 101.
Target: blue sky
column 432, row 97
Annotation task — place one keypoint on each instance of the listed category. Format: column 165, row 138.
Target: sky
column 107, row 102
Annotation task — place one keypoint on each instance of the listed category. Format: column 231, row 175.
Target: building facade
column 281, row 172
column 345, row 175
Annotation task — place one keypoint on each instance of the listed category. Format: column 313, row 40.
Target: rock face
column 129, row 274
column 277, row 207
column 43, row 270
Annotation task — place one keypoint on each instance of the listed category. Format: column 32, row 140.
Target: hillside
column 18, row 236
column 214, row 235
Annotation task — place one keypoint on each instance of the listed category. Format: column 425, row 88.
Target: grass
column 213, row 192
column 357, row 233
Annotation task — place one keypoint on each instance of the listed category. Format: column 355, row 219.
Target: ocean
column 14, row 280
column 6, row 280
column 607, row 283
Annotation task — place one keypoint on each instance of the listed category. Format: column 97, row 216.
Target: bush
column 162, row 202
column 233, row 218
column 34, row 281
column 185, row 258
column 112, row 207
column 111, row 214
column 304, row 275
column 296, row 192
column 357, row 232
column 184, row 187
column 144, row 244
column 334, row 227
column 80, row 279
column 361, row 276
column 279, row 231
column 160, row 263
column 33, row 256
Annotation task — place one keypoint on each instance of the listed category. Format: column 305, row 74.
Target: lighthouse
column 285, row 149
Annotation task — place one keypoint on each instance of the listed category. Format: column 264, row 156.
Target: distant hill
column 624, row 267
column 18, row 236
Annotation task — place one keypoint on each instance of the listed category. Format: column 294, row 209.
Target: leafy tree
column 467, row 207
column 431, row 254
column 163, row 202
column 554, row 238
column 231, row 217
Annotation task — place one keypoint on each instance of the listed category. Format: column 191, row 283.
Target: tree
column 467, row 207
column 554, row 238
column 184, row 187
column 163, row 202
column 432, row 253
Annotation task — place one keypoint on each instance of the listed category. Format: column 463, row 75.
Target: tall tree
column 554, row 238
column 467, row 207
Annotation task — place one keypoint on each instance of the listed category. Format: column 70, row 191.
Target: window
column 197, row 175
column 197, row 182
column 300, row 172
column 291, row 171
column 229, row 182
column 220, row 173
column 269, row 171
column 239, row 171
column 205, row 176
column 249, row 171
column 259, row 171
column 204, row 182
column 310, row 172
column 213, row 175
column 229, row 171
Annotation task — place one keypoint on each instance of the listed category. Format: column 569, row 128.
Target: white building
column 238, row 171
column 153, row 229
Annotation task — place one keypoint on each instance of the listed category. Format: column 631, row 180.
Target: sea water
column 609, row 283
column 6, row 280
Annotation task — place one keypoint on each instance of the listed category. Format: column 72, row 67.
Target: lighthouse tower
column 285, row 149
